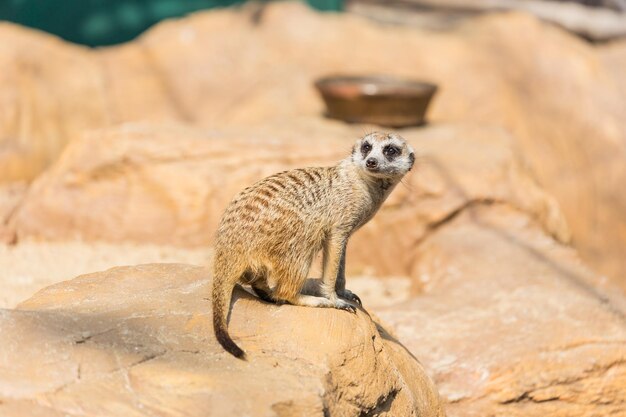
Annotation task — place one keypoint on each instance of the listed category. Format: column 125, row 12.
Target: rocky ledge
column 138, row 341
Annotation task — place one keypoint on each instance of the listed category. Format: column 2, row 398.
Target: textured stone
column 139, row 341
column 511, row 323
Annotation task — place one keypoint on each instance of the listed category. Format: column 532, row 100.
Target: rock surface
column 511, row 323
column 558, row 95
column 169, row 185
column 138, row 341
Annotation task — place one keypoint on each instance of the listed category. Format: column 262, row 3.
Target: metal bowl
column 381, row 100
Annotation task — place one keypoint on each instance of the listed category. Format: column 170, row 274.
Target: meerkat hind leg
column 258, row 282
column 263, row 292
column 312, row 287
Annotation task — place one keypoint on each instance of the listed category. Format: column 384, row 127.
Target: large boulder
column 510, row 323
column 139, row 341
column 170, row 185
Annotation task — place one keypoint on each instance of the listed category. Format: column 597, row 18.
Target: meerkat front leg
column 333, row 249
column 340, row 285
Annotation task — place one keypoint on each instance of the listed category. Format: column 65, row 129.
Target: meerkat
column 271, row 231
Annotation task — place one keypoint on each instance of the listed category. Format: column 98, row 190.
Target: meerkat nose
column 371, row 163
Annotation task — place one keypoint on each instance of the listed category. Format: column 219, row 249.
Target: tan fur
column 271, row 231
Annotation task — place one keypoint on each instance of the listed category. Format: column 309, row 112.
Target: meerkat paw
column 350, row 296
column 344, row 305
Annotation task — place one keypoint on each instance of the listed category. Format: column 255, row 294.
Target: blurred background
column 101, row 22
column 126, row 126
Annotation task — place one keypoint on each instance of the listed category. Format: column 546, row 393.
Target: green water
column 107, row 22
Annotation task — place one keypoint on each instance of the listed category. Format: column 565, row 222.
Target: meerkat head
column 383, row 155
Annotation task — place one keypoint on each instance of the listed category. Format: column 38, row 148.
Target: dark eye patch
column 391, row 152
column 365, row 149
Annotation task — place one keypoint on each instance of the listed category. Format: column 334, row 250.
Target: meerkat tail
column 221, row 304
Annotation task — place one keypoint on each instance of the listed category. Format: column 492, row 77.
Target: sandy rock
column 138, row 341
column 613, row 57
column 50, row 91
column 511, row 323
column 169, row 185
column 11, row 195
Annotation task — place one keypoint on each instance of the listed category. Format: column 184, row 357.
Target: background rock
column 526, row 84
column 591, row 19
column 139, row 341
column 558, row 95
column 11, row 195
column 167, row 185
column 50, row 91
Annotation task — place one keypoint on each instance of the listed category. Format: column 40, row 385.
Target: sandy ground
column 30, row 266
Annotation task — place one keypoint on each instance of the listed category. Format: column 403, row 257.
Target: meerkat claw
column 342, row 305
column 350, row 296
column 350, row 308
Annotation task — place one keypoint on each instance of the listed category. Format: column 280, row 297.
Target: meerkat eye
column 365, row 148
column 390, row 151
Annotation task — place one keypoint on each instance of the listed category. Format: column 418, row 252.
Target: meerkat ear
column 411, row 151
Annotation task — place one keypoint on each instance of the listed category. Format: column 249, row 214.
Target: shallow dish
column 381, row 100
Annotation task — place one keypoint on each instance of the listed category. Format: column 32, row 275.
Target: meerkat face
column 383, row 155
